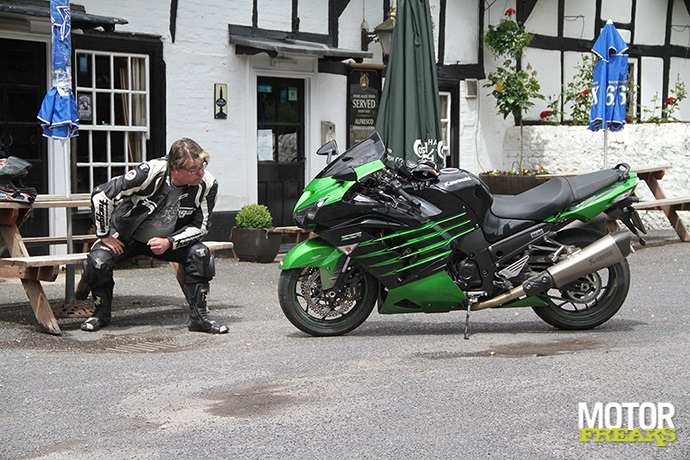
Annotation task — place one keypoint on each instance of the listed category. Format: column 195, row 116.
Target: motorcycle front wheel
column 590, row 300
column 327, row 312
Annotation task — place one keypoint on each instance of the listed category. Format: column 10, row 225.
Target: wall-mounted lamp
column 383, row 33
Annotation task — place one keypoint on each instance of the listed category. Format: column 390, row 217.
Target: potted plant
column 252, row 236
column 513, row 87
column 513, row 182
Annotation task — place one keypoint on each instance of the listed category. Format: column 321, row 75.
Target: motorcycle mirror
column 349, row 175
column 329, row 148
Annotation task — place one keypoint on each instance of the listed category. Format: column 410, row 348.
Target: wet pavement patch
column 255, row 401
column 519, row 350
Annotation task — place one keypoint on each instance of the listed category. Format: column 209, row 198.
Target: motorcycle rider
column 161, row 208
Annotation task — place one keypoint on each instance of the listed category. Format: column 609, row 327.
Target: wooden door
column 280, row 145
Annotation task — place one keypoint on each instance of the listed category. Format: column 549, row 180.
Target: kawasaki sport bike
column 409, row 239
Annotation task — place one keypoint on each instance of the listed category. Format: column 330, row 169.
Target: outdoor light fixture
column 383, row 33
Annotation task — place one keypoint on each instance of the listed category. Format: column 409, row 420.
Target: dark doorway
column 280, row 145
column 22, row 88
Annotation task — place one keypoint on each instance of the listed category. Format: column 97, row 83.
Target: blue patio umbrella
column 59, row 115
column 609, row 83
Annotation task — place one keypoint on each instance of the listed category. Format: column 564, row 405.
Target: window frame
column 153, row 135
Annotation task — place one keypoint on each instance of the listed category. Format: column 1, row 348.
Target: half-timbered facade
column 261, row 84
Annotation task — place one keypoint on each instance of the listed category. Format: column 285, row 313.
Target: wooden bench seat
column 44, row 261
column 82, row 290
column 44, row 240
column 296, row 234
column 39, row 268
column 670, row 207
column 679, row 204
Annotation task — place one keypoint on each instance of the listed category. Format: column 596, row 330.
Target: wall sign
column 220, row 110
column 363, row 96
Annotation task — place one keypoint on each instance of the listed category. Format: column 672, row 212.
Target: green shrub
column 254, row 216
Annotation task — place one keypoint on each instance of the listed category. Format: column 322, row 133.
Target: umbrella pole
column 69, row 269
column 606, row 144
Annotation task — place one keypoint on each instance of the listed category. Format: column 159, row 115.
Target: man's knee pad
column 98, row 268
column 200, row 264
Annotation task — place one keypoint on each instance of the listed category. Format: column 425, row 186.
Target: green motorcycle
column 412, row 239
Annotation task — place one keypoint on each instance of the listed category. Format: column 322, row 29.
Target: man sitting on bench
column 164, row 209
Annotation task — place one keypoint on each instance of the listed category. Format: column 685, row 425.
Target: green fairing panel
column 434, row 294
column 315, row 252
column 332, row 188
column 588, row 209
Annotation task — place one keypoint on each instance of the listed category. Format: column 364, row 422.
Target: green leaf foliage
column 254, row 216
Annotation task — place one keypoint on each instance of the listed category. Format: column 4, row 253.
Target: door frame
column 261, row 68
column 282, row 179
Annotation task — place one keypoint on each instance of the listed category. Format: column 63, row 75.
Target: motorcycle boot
column 102, row 300
column 98, row 274
column 199, row 321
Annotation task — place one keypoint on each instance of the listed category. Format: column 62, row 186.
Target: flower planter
column 255, row 245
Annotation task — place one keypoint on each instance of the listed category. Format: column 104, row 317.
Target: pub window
column 113, row 98
column 444, row 108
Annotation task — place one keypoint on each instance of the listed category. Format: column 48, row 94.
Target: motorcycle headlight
column 307, row 214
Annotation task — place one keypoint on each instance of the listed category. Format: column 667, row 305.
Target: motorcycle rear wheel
column 326, row 312
column 588, row 301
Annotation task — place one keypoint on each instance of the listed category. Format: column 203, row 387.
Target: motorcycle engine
column 466, row 274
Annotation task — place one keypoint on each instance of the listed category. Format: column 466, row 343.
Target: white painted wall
column 680, row 33
column 462, row 31
column 202, row 55
column 580, row 18
column 650, row 24
column 619, row 10
column 543, row 19
column 564, row 149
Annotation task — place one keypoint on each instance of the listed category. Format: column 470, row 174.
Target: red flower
column 671, row 101
column 545, row 114
column 583, row 93
column 510, row 11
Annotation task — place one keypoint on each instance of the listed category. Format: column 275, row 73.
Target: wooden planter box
column 510, row 185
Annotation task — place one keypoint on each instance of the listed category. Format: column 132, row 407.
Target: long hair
column 182, row 150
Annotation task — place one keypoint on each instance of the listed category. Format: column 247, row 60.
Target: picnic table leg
column 82, row 290
column 676, row 222
column 39, row 303
column 179, row 273
column 670, row 211
column 33, row 288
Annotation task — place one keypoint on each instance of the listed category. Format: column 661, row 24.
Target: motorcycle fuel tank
column 458, row 188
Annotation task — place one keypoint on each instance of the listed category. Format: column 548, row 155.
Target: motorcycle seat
column 553, row 196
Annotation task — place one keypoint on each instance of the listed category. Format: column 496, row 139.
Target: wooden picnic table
column 31, row 270
column 669, row 205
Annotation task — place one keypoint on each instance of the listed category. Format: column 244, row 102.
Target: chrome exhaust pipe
column 603, row 253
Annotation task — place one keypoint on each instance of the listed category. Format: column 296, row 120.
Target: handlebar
column 396, row 187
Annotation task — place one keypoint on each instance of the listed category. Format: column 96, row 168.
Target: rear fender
column 315, row 252
column 601, row 201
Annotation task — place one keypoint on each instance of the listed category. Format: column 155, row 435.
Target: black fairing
column 401, row 244
column 497, row 228
column 457, row 189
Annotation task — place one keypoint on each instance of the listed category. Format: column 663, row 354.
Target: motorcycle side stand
column 467, row 321
column 472, row 298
